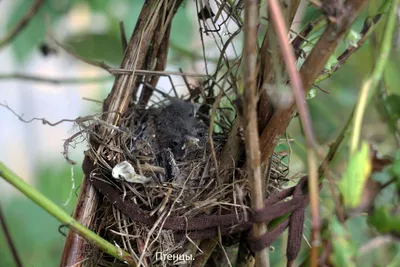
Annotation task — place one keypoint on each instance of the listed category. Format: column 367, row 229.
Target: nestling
column 176, row 125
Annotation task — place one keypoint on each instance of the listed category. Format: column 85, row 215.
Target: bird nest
column 166, row 211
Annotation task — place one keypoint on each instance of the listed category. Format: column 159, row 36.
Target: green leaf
column 332, row 61
column 395, row 168
column 385, row 221
column 393, row 104
column 312, row 93
column 182, row 30
column 343, row 249
column 356, row 174
column 33, row 33
column 352, row 37
column 100, row 47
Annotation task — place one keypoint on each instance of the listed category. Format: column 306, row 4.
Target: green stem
column 62, row 216
column 369, row 86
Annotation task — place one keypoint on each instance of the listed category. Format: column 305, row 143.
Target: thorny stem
column 369, row 86
column 62, row 216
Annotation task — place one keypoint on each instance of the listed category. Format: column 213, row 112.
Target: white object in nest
column 125, row 171
column 190, row 141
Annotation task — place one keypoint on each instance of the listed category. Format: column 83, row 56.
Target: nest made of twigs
column 194, row 189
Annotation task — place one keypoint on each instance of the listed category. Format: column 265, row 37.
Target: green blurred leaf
column 35, row 234
column 34, row 231
column 385, row 221
column 182, row 30
column 395, row 168
column 352, row 37
column 356, row 174
column 100, row 47
column 33, row 33
column 332, row 61
column 391, row 74
column 312, row 93
column 343, row 248
column 98, row 5
column 393, row 104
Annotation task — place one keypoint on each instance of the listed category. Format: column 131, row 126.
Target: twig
column 155, row 73
column 370, row 25
column 298, row 92
column 160, row 57
column 62, row 216
column 95, row 63
column 43, row 120
column 56, row 81
column 9, row 239
column 124, row 41
column 22, row 23
column 210, row 134
column 270, row 66
column 251, row 20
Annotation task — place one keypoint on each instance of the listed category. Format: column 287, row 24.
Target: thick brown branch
column 118, row 101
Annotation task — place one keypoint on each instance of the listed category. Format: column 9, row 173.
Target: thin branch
column 9, row 239
column 43, row 120
column 251, row 18
column 69, row 51
column 124, row 41
column 18, row 28
column 56, row 81
column 298, row 92
column 370, row 25
column 211, row 131
column 155, row 73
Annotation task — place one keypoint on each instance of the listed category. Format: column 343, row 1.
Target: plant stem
column 62, row 216
column 369, row 86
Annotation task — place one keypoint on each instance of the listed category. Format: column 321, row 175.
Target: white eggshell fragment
column 125, row 171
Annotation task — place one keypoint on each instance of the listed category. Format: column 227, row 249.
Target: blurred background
column 91, row 30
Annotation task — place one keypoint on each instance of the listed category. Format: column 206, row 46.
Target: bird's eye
column 175, row 143
column 190, row 114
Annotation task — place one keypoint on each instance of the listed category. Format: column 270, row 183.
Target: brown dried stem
column 309, row 72
column 251, row 20
column 9, row 239
column 118, row 101
column 298, row 92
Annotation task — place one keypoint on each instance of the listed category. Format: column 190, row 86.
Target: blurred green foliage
column 104, row 46
column 34, row 231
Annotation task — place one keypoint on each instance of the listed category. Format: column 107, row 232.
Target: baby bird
column 175, row 125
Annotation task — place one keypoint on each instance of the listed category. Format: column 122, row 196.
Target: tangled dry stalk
column 184, row 215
